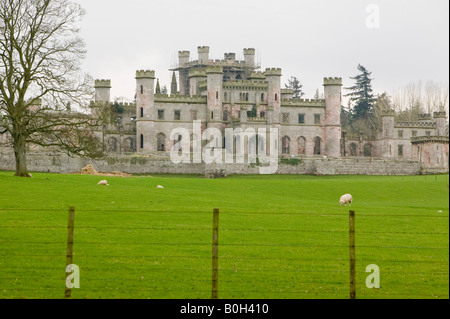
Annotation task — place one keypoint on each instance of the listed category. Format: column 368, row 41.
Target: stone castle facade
column 230, row 93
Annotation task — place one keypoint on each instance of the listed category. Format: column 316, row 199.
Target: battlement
column 214, row 69
column 197, row 73
column 164, row 98
column 249, row 51
column 203, row 49
column 257, row 75
column 273, row 72
column 332, row 81
column 145, row 74
column 439, row 115
column 429, row 139
column 387, row 113
column 416, row 124
column 425, row 117
column 102, row 83
column 184, row 54
column 246, row 84
column 302, row 103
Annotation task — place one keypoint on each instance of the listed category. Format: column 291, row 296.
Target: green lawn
column 279, row 236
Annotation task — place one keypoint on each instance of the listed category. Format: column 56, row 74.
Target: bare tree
column 40, row 55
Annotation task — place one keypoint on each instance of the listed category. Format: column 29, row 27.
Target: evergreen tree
column 294, row 84
column 361, row 93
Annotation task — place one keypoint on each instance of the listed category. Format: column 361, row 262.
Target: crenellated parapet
column 332, row 81
column 415, row 124
column 199, row 73
column 164, row 98
column 303, row 103
column 246, row 85
column 273, row 72
column 439, row 115
column 387, row 113
column 257, row 75
column 102, row 83
column 425, row 117
column 145, row 74
column 214, row 69
column 429, row 139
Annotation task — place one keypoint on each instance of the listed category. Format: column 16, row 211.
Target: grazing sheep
column 346, row 199
column 159, row 186
column 103, row 182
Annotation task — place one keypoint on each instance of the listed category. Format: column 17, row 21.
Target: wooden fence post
column 352, row 255
column 69, row 252
column 215, row 255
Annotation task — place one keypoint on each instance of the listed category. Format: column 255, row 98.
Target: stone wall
column 135, row 164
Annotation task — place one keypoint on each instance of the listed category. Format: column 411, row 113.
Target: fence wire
column 170, row 257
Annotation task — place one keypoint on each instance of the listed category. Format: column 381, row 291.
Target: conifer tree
column 361, row 94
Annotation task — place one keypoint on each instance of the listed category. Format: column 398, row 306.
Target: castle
column 230, row 93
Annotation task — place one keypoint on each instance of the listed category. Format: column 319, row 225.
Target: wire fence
column 239, row 255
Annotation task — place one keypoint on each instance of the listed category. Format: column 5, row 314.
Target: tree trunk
column 20, row 154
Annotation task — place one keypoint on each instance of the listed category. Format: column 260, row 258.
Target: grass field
column 279, row 236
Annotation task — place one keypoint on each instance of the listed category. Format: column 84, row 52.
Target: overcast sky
column 308, row 39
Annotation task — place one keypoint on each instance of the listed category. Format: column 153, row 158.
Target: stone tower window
column 414, row 133
column 262, row 97
column 400, row 150
column 400, row 134
column 142, row 141
column 276, row 97
column 285, row 117
column 217, row 95
column 301, row 119
column 142, row 112
column 160, row 114
column 316, row 118
column 142, row 89
column 212, row 115
column 177, row 115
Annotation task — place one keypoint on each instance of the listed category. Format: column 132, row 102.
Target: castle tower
column 332, row 121
column 183, row 60
column 195, row 77
column 249, row 57
column 102, row 90
column 145, row 110
column 273, row 77
column 203, row 55
column 388, row 133
column 214, row 78
column 440, row 118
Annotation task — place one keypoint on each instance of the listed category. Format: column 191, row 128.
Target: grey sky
column 309, row 39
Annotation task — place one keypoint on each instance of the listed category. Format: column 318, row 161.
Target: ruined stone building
column 230, row 93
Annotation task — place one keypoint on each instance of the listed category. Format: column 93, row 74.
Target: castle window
column 414, row 133
column 276, row 97
column 142, row 112
column 400, row 134
column 142, row 141
column 212, row 115
column 262, row 114
column 246, row 96
column 160, row 114
column 177, row 115
column 285, row 142
column 316, row 118
column 262, row 97
column 217, row 95
column 225, row 115
column 142, row 89
column 225, row 96
column 285, row 117
column 301, row 119
column 428, row 133
column 400, row 150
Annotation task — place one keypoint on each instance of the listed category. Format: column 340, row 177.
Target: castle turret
column 249, row 57
column 203, row 54
column 195, row 77
column 388, row 133
column 273, row 77
column 214, row 77
column 440, row 119
column 102, row 90
column 145, row 99
column 332, row 121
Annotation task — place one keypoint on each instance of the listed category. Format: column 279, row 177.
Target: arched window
column 262, row 97
column 160, row 142
column 368, row 149
column 246, row 96
column 217, row 95
column 142, row 141
column 285, row 144
column 301, row 145
column 317, row 145
column 225, row 115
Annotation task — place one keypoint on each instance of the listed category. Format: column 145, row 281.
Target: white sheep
column 103, row 182
column 159, row 186
column 346, row 199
